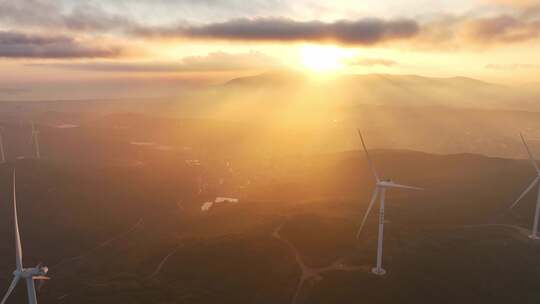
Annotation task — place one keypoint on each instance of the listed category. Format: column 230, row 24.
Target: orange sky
column 60, row 43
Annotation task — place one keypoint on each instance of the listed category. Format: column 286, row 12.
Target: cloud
column 515, row 3
column 360, row 32
column 213, row 62
column 371, row 62
column 41, row 14
column 28, row 13
column 226, row 61
column 512, row 66
column 519, row 22
column 12, row 91
column 518, row 25
column 87, row 17
column 22, row 45
column 199, row 9
column 501, row 29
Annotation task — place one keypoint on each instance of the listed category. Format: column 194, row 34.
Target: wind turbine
column 35, row 137
column 534, row 232
column 29, row 274
column 2, row 152
column 380, row 189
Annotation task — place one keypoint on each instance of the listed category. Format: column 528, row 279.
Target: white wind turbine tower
column 534, row 232
column 29, row 274
column 2, row 152
column 35, row 137
column 380, row 189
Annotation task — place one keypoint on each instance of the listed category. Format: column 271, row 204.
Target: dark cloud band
column 21, row 45
column 360, row 32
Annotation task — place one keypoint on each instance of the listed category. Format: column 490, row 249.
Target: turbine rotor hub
column 43, row 270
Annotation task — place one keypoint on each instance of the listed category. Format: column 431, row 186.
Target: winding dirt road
column 310, row 274
column 163, row 261
column 101, row 245
column 522, row 231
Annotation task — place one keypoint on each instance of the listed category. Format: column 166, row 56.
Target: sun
column 323, row 58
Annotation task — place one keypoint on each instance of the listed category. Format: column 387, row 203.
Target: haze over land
column 289, row 113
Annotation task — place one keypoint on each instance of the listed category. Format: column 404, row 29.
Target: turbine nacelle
column 43, row 270
column 391, row 184
column 384, row 182
column 38, row 271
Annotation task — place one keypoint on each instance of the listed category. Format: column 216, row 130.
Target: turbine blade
column 18, row 247
column 2, row 153
column 35, row 138
column 370, row 206
column 531, row 158
column 533, row 183
column 371, row 166
column 10, row 289
column 32, row 134
column 393, row 185
column 37, row 278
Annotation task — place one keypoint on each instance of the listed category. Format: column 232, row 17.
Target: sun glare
column 323, row 58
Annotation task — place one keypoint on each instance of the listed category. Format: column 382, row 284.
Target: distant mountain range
column 286, row 87
column 295, row 78
column 399, row 90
